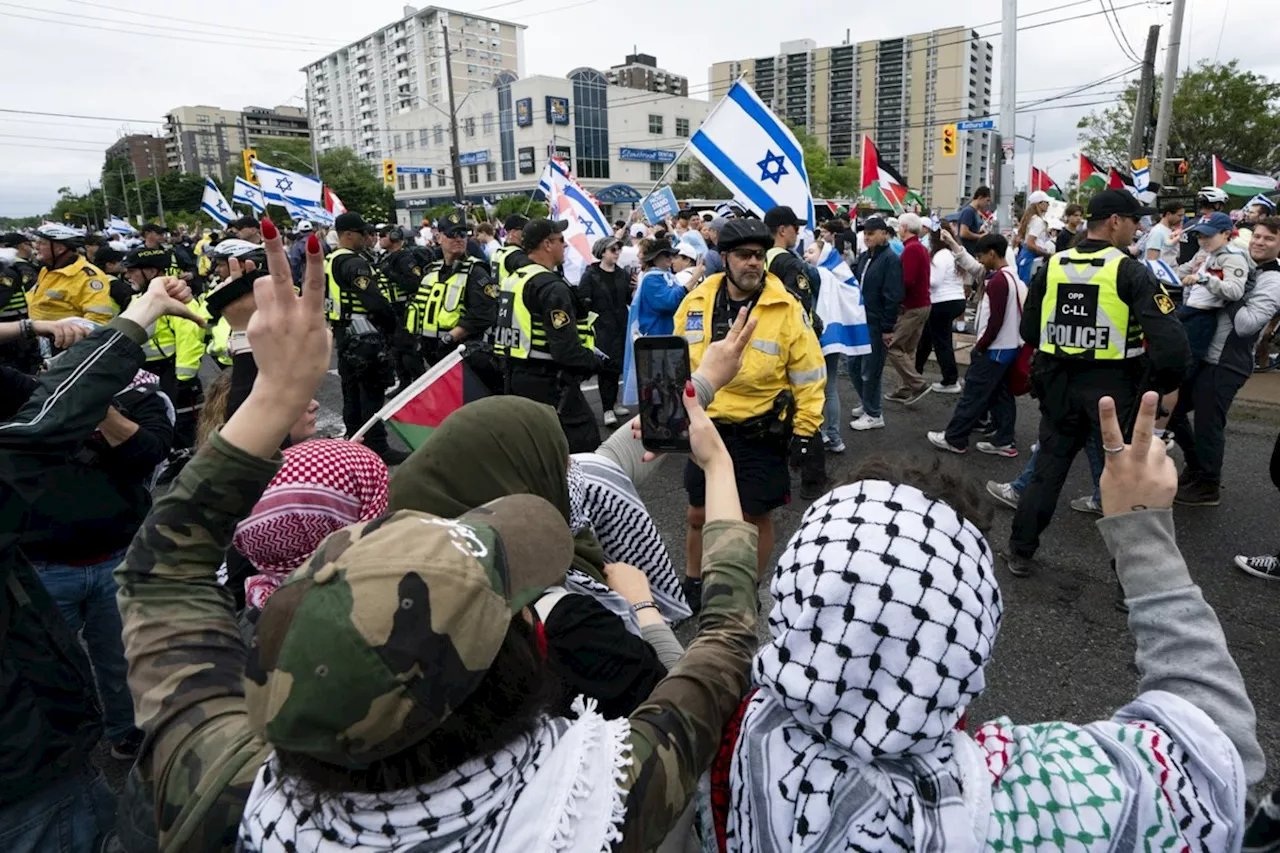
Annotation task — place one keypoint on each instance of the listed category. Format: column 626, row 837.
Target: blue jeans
column 831, row 405
column 86, row 596
column 866, row 373
column 1092, row 449
column 73, row 815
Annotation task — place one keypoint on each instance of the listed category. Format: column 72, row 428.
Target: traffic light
column 1180, row 170
column 66, row 216
column 949, row 146
column 389, row 172
column 249, row 155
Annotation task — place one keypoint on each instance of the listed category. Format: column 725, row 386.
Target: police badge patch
column 362, row 282
column 693, row 322
column 559, row 319
column 417, row 271
column 1164, row 303
column 95, row 284
column 491, row 291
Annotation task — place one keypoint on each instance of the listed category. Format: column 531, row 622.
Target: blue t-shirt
column 971, row 217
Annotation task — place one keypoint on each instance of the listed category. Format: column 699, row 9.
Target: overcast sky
column 133, row 60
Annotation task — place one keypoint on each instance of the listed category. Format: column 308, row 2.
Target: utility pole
column 124, row 192
column 311, row 137
column 1146, row 95
column 454, row 153
column 1008, row 110
column 1160, row 149
column 156, row 178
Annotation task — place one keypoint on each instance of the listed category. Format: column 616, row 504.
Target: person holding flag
column 547, row 337
column 774, row 404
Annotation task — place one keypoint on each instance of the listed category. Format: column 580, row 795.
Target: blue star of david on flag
column 222, row 208
column 284, row 184
column 587, row 225
column 771, row 160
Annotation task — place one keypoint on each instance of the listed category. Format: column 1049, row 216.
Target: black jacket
column 49, row 715
column 879, row 272
column 1168, row 353
column 609, row 295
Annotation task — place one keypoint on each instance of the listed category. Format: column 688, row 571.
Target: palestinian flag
column 1240, row 180
column 419, row 409
column 1117, row 180
column 1092, row 176
column 881, row 183
column 1041, row 182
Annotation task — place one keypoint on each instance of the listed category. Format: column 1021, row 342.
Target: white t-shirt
column 629, row 257
column 425, row 233
column 945, row 284
column 1038, row 232
column 1161, row 239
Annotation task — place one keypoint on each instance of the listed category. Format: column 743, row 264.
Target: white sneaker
column 610, row 419
column 858, row 412
column 939, row 440
column 939, row 388
column 865, row 422
column 1008, row 451
column 621, row 411
column 1005, row 493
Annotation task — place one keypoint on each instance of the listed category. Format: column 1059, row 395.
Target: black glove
column 801, row 447
column 812, row 464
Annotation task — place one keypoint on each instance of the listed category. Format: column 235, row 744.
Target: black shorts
column 760, row 468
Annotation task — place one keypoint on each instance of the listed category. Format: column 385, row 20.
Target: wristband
column 643, row 605
column 27, row 328
column 238, row 343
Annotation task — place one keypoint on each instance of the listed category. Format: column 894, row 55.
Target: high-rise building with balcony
column 899, row 91
column 641, row 71
column 354, row 91
column 204, row 140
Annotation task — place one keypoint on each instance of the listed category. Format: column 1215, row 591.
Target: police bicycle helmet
column 233, row 247
column 54, row 232
column 741, row 232
column 1211, row 195
column 242, row 250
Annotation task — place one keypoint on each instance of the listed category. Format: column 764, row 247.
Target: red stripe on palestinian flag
column 421, row 407
column 1240, row 180
column 1117, row 180
column 881, row 183
column 1040, row 181
column 1091, row 174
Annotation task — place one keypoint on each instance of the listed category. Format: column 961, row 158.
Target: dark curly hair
column 516, row 691
column 945, row 483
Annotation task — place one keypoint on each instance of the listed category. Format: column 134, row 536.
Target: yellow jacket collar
column 775, row 291
column 76, row 267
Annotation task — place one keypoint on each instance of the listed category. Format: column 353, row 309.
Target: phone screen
column 662, row 370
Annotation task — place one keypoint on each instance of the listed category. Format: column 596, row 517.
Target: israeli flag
column 215, row 204
column 630, row 388
column 247, row 194
column 1142, row 175
column 1163, row 274
column 120, row 226
column 279, row 185
column 754, row 154
column 844, row 317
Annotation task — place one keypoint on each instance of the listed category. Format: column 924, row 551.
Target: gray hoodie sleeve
column 1180, row 645
column 664, row 643
column 1262, row 303
column 626, row 451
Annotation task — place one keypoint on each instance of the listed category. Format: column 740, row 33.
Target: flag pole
column 439, row 369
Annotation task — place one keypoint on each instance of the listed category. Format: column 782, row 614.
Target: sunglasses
column 749, row 254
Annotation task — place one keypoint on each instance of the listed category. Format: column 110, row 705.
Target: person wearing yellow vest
column 401, row 268
column 1102, row 326
column 510, row 256
column 781, row 259
column 546, row 336
column 456, row 303
column 68, row 285
column 364, row 324
column 21, row 353
column 772, row 407
column 153, row 241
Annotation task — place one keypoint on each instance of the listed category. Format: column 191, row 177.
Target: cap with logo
column 537, row 230
column 393, row 623
column 454, row 224
column 348, row 222
column 1117, row 203
column 779, row 216
column 1215, row 223
column 143, row 258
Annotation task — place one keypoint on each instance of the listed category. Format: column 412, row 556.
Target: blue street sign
column 471, row 158
column 413, row 170
column 979, row 124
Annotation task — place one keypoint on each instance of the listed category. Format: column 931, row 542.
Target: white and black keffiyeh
column 885, row 612
column 603, row 498
column 554, row 790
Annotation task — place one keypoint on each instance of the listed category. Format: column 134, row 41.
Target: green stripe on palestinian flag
column 1092, row 176
column 882, row 186
column 420, row 408
column 1040, row 181
column 1240, row 180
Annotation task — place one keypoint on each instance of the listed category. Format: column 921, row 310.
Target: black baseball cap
column 780, row 216
column 243, row 222
column 107, row 255
column 454, row 224
column 538, row 230
column 349, row 222
column 1117, row 203
column 875, row 223
column 515, row 222
column 14, row 239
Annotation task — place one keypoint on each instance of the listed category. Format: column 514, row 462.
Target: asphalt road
column 1064, row 651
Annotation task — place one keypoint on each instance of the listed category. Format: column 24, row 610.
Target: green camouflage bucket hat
column 392, row 624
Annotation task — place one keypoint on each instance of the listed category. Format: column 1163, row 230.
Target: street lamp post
column 296, row 159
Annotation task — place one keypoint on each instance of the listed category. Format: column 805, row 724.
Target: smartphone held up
column 662, row 370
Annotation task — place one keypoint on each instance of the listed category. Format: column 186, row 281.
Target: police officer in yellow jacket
column 68, row 285
column 782, row 261
column 546, row 337
column 1102, row 327
column 363, row 326
column 773, row 405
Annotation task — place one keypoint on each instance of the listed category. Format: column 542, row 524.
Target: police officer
column 401, row 269
column 510, row 256
column 773, row 406
column 1089, row 312
column 68, row 285
column 22, row 354
column 781, row 259
column 153, row 241
column 544, row 335
column 363, row 325
column 111, row 262
column 24, row 266
column 456, row 303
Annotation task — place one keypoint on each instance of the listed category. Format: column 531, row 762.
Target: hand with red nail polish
column 269, row 231
column 313, row 244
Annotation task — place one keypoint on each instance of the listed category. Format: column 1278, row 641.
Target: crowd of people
column 307, row 643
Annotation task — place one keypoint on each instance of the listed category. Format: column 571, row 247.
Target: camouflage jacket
column 186, row 665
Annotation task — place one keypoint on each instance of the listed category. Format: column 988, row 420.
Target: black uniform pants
column 1208, row 392
column 937, row 337
column 1068, row 416
column 363, row 394
column 545, row 385
column 607, row 380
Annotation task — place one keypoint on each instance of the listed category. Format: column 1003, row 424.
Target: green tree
column 359, row 184
column 518, row 204
column 702, row 184
column 1217, row 109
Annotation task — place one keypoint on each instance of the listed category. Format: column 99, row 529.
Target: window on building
column 413, row 182
column 486, row 123
column 439, row 179
column 469, row 126
column 395, row 142
column 491, row 172
column 410, row 141
column 655, row 124
column 400, row 181
column 656, row 170
column 439, row 131
column 473, row 174
column 682, row 127
column 684, row 172
column 591, row 122
column 424, row 136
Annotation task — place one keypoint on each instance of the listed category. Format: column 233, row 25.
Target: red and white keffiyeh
column 325, row 485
